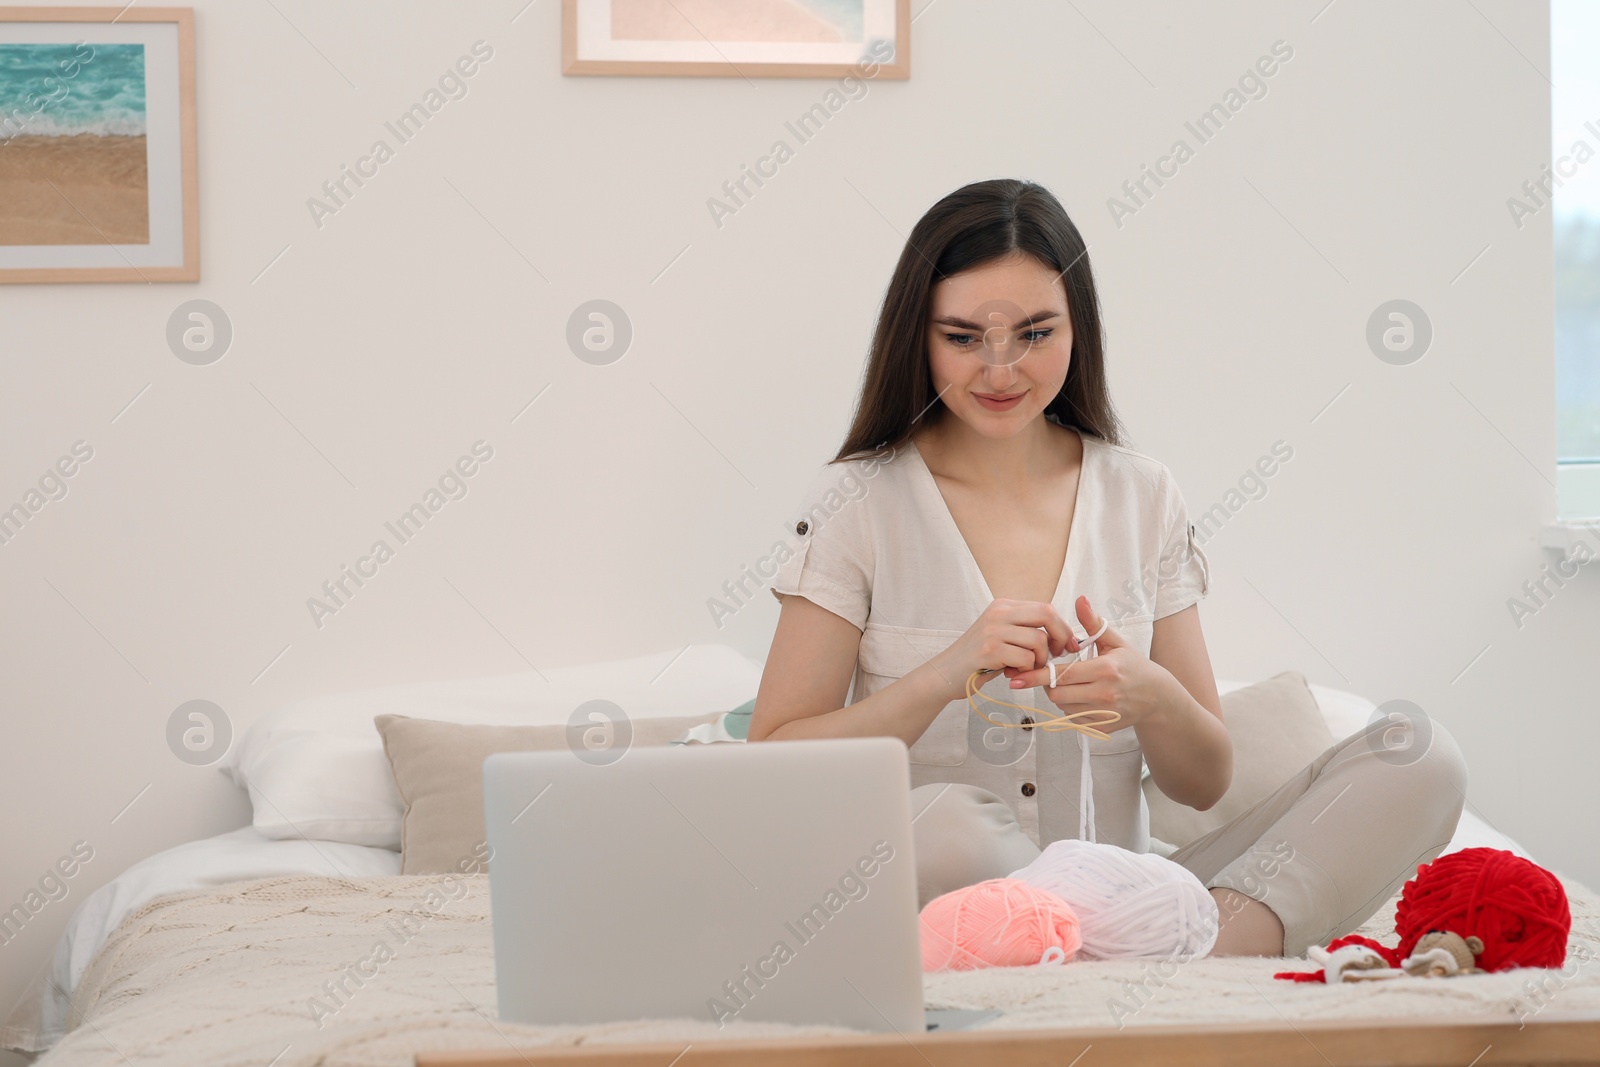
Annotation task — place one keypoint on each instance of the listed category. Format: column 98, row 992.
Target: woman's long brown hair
column 974, row 225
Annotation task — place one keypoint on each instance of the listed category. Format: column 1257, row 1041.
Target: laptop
column 768, row 882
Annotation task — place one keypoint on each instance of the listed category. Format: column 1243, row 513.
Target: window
column 1575, row 161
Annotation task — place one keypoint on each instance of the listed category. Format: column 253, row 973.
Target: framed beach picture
column 737, row 38
column 98, row 172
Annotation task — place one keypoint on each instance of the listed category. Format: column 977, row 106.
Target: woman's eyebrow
column 1036, row 317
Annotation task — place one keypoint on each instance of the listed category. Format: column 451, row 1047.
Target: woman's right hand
column 1020, row 634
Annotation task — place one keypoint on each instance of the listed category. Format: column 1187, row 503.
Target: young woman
column 984, row 515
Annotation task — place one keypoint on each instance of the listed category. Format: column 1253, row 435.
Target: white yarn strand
column 1086, row 825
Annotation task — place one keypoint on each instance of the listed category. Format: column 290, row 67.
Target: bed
column 258, row 947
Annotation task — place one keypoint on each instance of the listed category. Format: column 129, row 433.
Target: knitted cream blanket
column 365, row 972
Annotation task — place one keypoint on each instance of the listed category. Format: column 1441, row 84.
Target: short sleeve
column 1183, row 574
column 830, row 545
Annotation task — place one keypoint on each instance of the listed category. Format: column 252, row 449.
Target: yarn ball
column 1130, row 905
column 1516, row 907
column 998, row 923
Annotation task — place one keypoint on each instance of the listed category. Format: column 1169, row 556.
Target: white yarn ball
column 1130, row 905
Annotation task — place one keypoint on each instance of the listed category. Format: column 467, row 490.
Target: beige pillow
column 1277, row 728
column 438, row 770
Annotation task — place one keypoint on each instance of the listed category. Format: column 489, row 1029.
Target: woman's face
column 999, row 343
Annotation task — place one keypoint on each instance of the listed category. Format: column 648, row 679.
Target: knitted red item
column 1514, row 906
column 1387, row 953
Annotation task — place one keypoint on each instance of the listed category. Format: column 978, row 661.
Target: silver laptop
column 770, row 882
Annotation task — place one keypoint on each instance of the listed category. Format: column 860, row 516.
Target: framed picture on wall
column 737, row 38
column 98, row 171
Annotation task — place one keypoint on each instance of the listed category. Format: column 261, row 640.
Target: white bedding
column 40, row 1017
column 312, row 971
column 39, row 1020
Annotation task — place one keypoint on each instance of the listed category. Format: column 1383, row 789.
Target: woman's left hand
column 1118, row 677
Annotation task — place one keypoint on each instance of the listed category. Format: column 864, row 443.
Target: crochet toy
column 1479, row 909
column 1441, row 953
column 1359, row 959
column 1348, row 959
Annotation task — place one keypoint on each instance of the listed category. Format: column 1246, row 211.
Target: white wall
column 413, row 323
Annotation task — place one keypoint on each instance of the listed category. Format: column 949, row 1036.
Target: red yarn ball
column 1516, row 907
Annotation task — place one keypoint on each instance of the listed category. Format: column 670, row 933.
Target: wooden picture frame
column 1545, row 1040
column 90, row 225
column 665, row 40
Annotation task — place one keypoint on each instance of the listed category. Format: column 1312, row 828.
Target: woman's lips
column 999, row 405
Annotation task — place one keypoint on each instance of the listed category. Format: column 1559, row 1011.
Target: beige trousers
column 1324, row 852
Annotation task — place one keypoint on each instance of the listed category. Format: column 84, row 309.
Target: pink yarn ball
column 1003, row 922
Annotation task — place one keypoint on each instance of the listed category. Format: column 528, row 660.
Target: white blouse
column 877, row 546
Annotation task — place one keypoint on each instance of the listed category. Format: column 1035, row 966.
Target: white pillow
column 316, row 767
column 1343, row 711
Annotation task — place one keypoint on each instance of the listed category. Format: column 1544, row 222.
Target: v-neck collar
column 942, row 507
